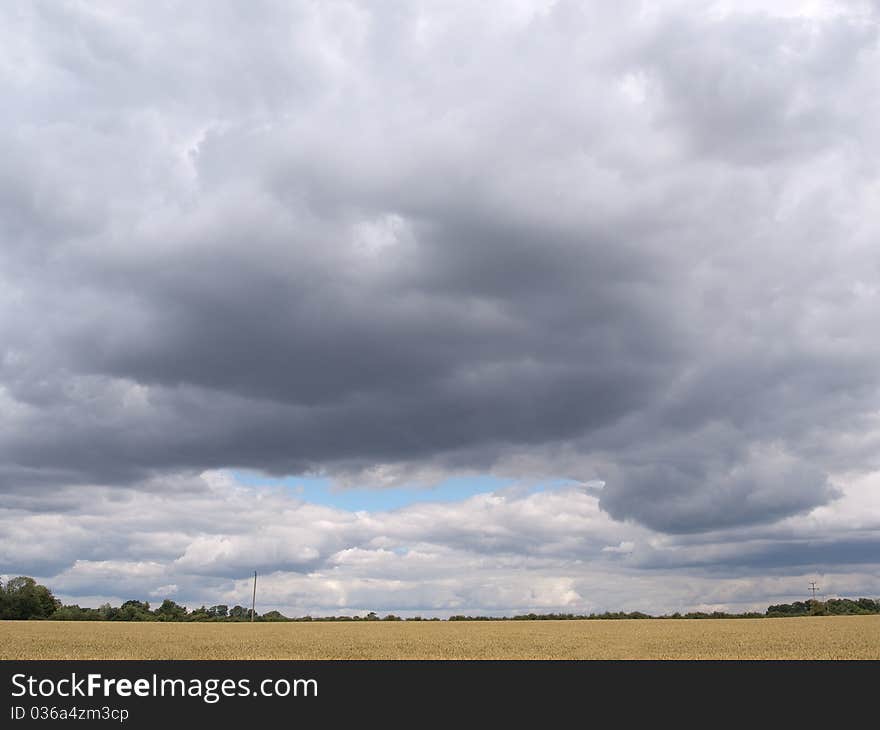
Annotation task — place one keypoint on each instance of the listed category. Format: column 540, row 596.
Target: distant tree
column 75, row 613
column 24, row 598
column 798, row 608
column 170, row 611
column 133, row 611
column 136, row 605
column 817, row 608
column 869, row 606
column 200, row 614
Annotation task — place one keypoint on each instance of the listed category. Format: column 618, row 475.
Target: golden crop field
column 841, row 637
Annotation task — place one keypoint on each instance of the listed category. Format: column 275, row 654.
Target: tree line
column 23, row 598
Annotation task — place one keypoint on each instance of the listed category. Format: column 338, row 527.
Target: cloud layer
column 388, row 244
column 512, row 550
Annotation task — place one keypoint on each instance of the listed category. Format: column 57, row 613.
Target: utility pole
column 254, row 602
column 813, row 589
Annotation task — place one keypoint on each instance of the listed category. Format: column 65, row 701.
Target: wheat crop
column 842, row 637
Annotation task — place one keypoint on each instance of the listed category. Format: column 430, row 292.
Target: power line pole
column 813, row 589
column 254, row 602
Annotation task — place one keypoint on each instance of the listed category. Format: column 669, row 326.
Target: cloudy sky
column 441, row 307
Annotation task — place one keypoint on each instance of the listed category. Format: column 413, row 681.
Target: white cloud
column 164, row 591
column 492, row 553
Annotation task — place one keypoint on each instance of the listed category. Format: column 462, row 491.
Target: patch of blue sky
column 320, row 490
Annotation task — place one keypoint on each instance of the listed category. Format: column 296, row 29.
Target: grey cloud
column 295, row 240
column 753, row 89
column 681, row 493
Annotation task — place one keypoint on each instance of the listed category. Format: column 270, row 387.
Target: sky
column 441, row 307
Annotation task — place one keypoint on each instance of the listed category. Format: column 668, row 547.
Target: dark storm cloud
column 334, row 238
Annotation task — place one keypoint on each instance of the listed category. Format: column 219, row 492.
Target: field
column 842, row 637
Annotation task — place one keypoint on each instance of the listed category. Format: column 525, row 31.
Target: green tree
column 199, row 614
column 75, row 613
column 24, row 598
column 817, row 608
column 170, row 611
